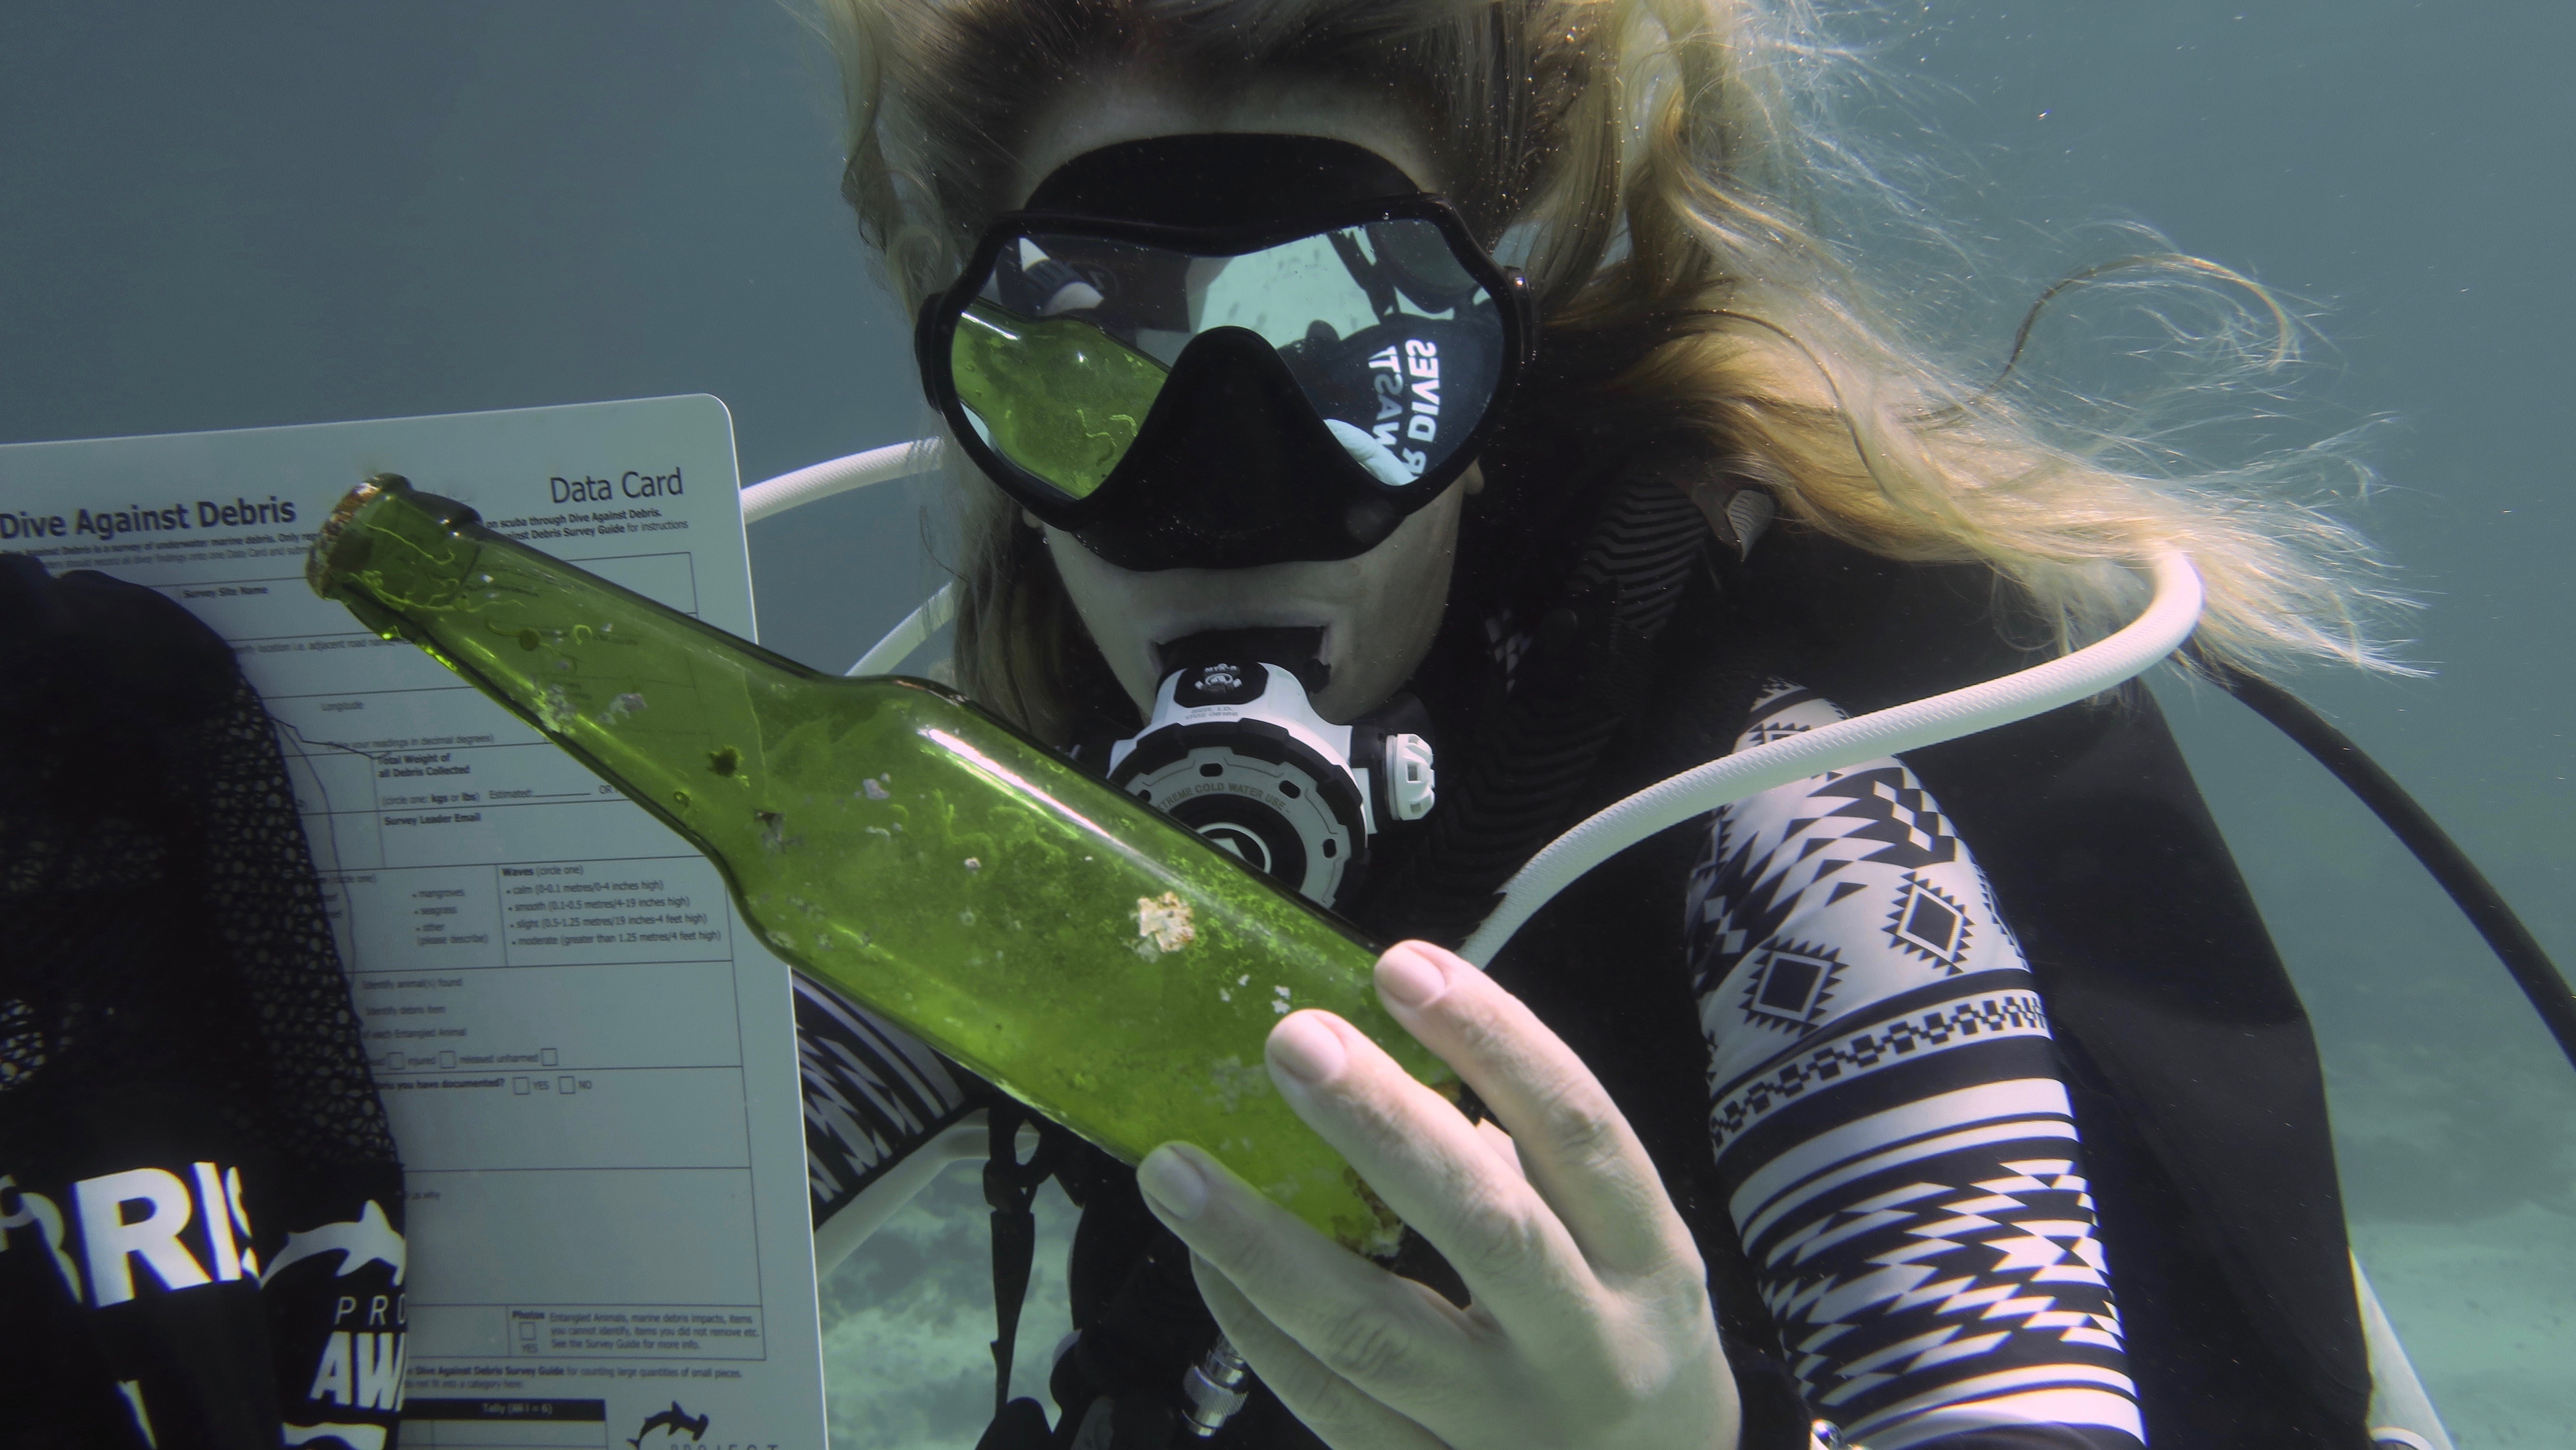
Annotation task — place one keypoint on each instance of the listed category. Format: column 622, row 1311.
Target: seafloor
column 908, row 1321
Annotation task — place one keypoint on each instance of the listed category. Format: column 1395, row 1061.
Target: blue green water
column 275, row 213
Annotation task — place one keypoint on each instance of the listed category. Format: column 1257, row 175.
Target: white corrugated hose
column 817, row 481
column 2154, row 634
column 900, row 641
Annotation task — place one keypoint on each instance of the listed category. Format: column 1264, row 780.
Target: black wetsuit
column 2016, row 1121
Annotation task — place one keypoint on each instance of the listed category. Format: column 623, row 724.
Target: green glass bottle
column 1058, row 937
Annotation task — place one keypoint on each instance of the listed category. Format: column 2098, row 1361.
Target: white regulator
column 1235, row 751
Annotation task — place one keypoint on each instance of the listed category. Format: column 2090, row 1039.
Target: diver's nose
column 1227, row 469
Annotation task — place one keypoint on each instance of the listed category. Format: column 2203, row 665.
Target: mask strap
column 1010, row 1190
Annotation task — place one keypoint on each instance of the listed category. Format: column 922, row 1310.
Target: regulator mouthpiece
column 1235, row 751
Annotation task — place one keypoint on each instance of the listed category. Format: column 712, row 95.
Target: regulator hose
column 2157, row 632
column 2478, row 900
column 904, row 638
column 817, row 481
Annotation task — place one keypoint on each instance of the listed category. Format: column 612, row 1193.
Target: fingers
column 1580, row 1153
column 1355, row 1319
column 1439, row 1174
column 1500, row 1144
column 1347, row 1417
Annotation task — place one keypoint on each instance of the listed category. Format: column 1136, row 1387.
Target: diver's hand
column 1590, row 1322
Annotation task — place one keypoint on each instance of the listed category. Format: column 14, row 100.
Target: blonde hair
column 1664, row 171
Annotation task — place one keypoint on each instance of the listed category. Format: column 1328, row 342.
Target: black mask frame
column 1233, row 466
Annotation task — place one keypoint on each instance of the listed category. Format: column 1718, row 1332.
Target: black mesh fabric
column 171, row 996
column 1591, row 667
column 298, row 1076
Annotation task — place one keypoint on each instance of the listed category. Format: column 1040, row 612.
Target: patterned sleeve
column 1890, row 1123
column 873, row 1094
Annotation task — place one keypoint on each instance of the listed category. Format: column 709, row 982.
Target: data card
column 589, row 1064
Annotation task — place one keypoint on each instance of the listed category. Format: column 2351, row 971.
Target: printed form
column 590, row 1067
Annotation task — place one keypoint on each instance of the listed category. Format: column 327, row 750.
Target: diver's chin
column 1158, row 654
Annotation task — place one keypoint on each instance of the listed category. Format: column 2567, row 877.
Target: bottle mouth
column 324, row 561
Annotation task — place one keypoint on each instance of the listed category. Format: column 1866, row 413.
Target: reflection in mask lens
column 1055, row 396
column 1394, row 343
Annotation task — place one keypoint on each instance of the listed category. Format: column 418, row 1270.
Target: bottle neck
column 663, row 705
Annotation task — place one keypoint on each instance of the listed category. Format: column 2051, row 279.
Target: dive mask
column 1225, row 350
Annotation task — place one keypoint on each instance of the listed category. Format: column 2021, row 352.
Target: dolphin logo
column 37, row 1210
column 674, row 1420
column 371, row 1240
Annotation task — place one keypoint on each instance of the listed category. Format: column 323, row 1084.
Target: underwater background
column 265, row 213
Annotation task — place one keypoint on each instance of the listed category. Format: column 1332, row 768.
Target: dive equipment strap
column 1010, row 1189
column 1592, row 666
column 2414, row 826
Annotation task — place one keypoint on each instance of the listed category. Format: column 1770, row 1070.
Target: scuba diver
column 1957, row 1100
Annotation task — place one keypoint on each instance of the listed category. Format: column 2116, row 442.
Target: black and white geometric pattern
column 1861, row 862
column 1999, row 1276
column 1929, row 923
column 1851, row 1054
column 1789, row 985
column 873, row 1094
column 1883, row 806
column 1886, row 1112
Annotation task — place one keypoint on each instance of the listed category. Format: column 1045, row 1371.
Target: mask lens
column 1286, row 293
column 1404, row 380
column 1044, row 376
